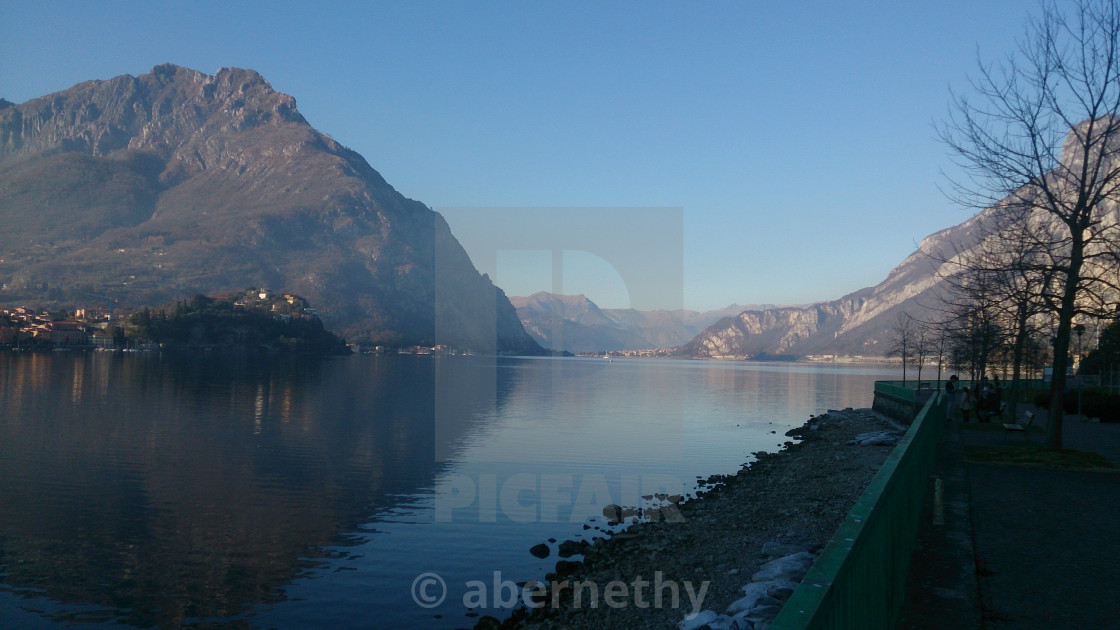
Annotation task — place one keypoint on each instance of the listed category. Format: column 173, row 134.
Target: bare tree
column 1041, row 145
column 970, row 314
column 977, row 337
column 923, row 345
column 904, row 333
column 938, row 334
column 1013, row 276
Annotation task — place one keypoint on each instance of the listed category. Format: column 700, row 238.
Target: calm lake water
column 152, row 491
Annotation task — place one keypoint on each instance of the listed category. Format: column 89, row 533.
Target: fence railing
column 899, row 401
column 897, row 389
column 859, row 580
column 925, row 384
column 933, row 383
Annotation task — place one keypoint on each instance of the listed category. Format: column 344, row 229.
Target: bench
column 986, row 415
column 1023, row 425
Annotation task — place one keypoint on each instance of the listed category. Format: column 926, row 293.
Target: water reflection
column 160, row 491
column 166, row 490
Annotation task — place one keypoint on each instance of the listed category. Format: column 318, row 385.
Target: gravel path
column 782, row 503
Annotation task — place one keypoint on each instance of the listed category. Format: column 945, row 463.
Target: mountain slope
column 664, row 328
column 583, row 327
column 856, row 324
column 155, row 187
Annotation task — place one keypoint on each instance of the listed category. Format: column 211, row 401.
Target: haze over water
column 159, row 491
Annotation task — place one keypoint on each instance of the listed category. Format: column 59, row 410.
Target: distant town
column 36, row 329
column 256, row 319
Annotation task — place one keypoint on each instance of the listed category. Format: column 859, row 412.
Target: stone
column 723, row 622
column 774, row 548
column 876, row 438
column 567, row 567
column 697, row 620
column 792, row 567
column 488, row 623
column 540, row 550
column 570, row 548
column 761, row 593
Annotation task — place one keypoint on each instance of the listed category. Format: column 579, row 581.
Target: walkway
column 1021, row 547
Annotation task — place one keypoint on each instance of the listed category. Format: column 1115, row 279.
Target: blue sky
column 797, row 138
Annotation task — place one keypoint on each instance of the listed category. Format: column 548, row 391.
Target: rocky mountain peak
column 563, row 306
column 159, row 110
column 155, row 187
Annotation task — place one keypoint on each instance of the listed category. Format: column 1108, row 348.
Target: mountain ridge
column 586, row 328
column 856, row 324
column 155, row 187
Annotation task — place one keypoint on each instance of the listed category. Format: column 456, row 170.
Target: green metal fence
column 859, row 580
column 897, row 400
column 896, row 389
column 902, row 401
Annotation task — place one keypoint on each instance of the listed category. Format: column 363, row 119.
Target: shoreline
column 783, row 503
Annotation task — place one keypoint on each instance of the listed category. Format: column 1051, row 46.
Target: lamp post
column 1079, row 330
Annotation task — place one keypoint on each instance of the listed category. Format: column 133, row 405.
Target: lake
column 372, row 491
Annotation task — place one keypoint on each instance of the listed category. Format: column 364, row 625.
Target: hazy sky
column 797, row 138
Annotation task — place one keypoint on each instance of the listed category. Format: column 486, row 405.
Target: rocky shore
column 729, row 556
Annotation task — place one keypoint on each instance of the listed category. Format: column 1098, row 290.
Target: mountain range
column 857, row 324
column 146, row 189
column 576, row 324
column 860, row 323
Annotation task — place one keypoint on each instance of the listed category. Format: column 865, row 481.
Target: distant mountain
column 153, row 188
column 572, row 323
column 857, row 324
column 584, row 327
column 667, row 329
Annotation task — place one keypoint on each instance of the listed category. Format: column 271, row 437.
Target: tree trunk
column 1021, row 336
column 1061, row 343
column 1058, row 380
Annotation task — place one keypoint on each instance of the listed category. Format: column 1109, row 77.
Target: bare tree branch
column 1040, row 151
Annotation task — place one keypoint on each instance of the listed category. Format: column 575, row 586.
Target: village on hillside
column 248, row 319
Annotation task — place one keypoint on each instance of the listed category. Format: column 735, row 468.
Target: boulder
column 876, row 438
column 792, row 567
column 697, row 620
column 570, row 548
column 758, row 593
